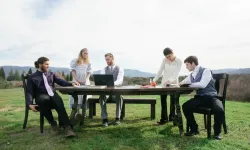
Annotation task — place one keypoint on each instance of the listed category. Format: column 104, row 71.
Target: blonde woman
column 81, row 71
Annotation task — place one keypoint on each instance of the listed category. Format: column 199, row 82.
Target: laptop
column 103, row 79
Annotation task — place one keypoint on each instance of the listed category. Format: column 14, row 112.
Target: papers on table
column 144, row 87
column 172, row 85
column 91, row 87
column 124, row 87
column 158, row 86
column 128, row 87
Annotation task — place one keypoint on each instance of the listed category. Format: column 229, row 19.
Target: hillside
column 128, row 72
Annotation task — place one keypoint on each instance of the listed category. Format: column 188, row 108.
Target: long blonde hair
column 80, row 59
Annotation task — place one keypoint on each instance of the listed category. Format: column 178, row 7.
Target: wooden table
column 125, row 90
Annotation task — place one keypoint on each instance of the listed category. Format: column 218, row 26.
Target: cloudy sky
column 136, row 31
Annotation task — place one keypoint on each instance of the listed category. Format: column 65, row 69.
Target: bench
column 152, row 101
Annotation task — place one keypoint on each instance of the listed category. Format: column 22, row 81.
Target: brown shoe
column 54, row 129
column 69, row 132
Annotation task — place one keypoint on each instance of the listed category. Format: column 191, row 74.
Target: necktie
column 111, row 68
column 48, row 88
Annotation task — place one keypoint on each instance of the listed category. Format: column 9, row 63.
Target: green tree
column 70, row 76
column 2, row 73
column 10, row 75
column 23, row 72
column 4, row 84
column 63, row 74
column 17, row 76
column 67, row 78
column 30, row 71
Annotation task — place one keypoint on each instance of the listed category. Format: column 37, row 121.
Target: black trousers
column 46, row 103
column 206, row 101
column 164, row 109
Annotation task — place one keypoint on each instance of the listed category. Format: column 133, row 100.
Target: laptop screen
column 104, row 79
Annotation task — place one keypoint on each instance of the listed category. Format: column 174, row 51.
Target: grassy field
column 136, row 132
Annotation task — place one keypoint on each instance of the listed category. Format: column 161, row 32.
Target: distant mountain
column 127, row 72
column 233, row 71
column 132, row 73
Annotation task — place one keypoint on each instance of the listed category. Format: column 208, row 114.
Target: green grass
column 136, row 132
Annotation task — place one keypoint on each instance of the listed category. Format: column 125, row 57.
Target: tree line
column 14, row 75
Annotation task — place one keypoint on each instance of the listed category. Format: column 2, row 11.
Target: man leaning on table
column 205, row 96
column 170, row 68
column 118, row 74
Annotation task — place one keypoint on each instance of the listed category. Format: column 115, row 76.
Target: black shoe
column 105, row 123
column 117, row 121
column 192, row 133
column 217, row 137
column 162, row 122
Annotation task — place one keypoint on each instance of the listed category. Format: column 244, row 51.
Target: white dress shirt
column 170, row 71
column 120, row 76
column 205, row 79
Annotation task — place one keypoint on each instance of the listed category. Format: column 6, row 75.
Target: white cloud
column 135, row 31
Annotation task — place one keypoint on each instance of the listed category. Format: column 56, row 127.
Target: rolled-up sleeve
column 89, row 68
column 205, row 79
column 120, row 77
column 159, row 73
column 73, row 64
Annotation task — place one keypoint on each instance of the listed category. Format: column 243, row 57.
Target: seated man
column 205, row 96
column 42, row 83
column 118, row 74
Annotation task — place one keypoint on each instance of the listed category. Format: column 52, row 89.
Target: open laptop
column 104, row 79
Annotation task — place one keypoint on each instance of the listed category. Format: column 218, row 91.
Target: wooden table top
column 133, row 90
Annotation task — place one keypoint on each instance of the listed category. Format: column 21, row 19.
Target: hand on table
column 77, row 80
column 166, row 83
column 83, row 82
column 153, row 84
column 75, row 84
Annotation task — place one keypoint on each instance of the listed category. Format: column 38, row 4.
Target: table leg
column 91, row 110
column 74, row 110
column 172, row 108
column 179, row 115
column 83, row 109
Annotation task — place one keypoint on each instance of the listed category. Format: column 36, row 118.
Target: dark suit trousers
column 204, row 101
column 164, row 111
column 46, row 103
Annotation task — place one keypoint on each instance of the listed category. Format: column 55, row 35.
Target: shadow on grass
column 140, row 134
column 134, row 133
column 139, row 137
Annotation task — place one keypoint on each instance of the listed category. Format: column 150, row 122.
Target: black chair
column 221, row 81
column 27, row 109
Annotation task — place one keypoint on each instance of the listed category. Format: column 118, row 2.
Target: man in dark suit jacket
column 40, row 85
